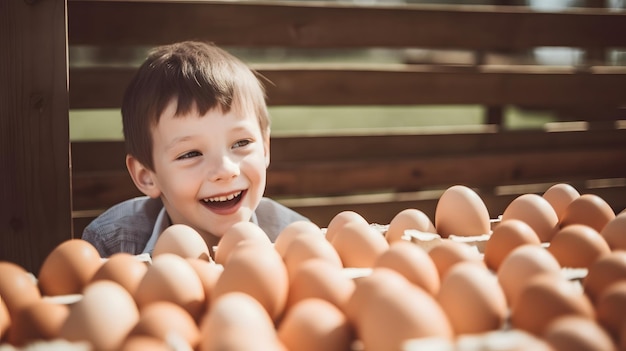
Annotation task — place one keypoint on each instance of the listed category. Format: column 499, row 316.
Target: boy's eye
column 189, row 154
column 242, row 143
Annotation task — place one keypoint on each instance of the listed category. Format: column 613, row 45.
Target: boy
column 196, row 129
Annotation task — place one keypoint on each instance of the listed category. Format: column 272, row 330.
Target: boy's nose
column 223, row 168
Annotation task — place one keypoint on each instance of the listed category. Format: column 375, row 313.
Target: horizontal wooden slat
column 334, row 25
column 482, row 164
column 393, row 85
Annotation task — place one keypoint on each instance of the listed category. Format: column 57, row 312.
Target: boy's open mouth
column 223, row 202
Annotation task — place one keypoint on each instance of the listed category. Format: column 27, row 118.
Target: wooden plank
column 334, row 25
column 393, row 173
column 101, row 87
column 34, row 131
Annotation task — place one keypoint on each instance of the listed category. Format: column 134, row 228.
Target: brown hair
column 199, row 76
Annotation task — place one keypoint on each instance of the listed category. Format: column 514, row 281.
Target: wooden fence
column 379, row 175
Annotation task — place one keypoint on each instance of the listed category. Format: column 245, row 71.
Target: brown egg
column 359, row 245
column 449, row 253
column 536, row 212
column 5, row 319
column 607, row 270
column 472, row 299
column 390, row 311
column 409, row 218
column 413, row 263
column 611, row 308
column 293, row 230
column 143, row 343
column 507, row 236
column 576, row 333
column 313, row 325
column 578, row 246
column 167, row 321
column 546, row 297
column 461, row 211
column 258, row 270
column 307, row 247
column 182, row 240
column 341, row 219
column 68, row 268
column 320, row 279
column 614, row 232
column 41, row 320
column 17, row 287
column 588, row 209
column 103, row 317
column 124, row 269
column 237, row 321
column 521, row 265
column 560, row 196
column 208, row 272
column 234, row 235
column 171, row 278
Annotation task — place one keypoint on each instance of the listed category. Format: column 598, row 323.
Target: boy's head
column 196, row 75
column 197, row 133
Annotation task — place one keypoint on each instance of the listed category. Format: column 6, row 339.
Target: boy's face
column 210, row 170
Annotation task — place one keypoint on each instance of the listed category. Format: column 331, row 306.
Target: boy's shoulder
column 126, row 226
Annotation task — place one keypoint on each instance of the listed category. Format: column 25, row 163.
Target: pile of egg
column 549, row 274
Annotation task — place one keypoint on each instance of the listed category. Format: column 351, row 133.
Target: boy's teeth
column 222, row 198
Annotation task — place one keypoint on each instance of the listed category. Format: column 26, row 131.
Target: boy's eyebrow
column 177, row 140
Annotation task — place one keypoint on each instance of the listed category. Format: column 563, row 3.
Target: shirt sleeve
column 125, row 227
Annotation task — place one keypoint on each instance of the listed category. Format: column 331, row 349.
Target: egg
column 588, row 209
column 122, row 268
column 611, row 308
column 341, row 219
column 318, row 278
column 307, row 247
column 560, row 196
column 18, row 289
column 258, row 270
column 237, row 321
column 535, row 211
column 507, row 236
column 461, row 211
column 167, row 321
column 409, row 218
column 293, row 230
column 171, row 278
column 68, row 268
column 103, row 317
column 5, row 319
column 314, row 324
column 143, row 343
column 521, row 265
column 449, row 253
column 576, row 333
column 208, row 272
column 359, row 245
column 234, row 235
column 388, row 311
column 546, row 297
column 413, row 263
column 614, row 232
column 472, row 299
column 578, row 246
column 605, row 271
column 182, row 240
column 39, row 321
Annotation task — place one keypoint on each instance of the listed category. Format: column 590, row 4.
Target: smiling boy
column 197, row 136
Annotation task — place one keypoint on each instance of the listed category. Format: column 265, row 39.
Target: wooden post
column 35, row 200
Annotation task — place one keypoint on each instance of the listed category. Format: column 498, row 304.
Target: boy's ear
column 266, row 148
column 142, row 177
